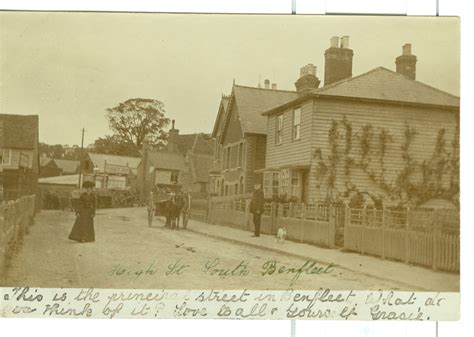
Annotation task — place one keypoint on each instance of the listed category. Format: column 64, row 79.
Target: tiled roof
column 384, row 84
column 252, row 102
column 202, row 165
column 220, row 114
column 99, row 159
column 203, row 145
column 18, row 131
column 67, row 166
column 166, row 160
column 45, row 161
column 71, row 180
column 185, row 142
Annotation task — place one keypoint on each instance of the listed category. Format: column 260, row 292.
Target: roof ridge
column 424, row 84
column 345, row 80
column 113, row 155
column 263, row 89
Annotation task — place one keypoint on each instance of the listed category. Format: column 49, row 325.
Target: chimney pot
column 338, row 61
column 308, row 80
column 274, row 86
column 406, row 49
column 172, row 124
column 345, row 42
column 267, row 84
column 334, row 42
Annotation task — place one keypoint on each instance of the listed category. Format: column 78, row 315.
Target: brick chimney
column 172, row 138
column 308, row 80
column 338, row 60
column 406, row 63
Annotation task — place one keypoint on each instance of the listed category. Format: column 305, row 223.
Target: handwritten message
column 228, row 304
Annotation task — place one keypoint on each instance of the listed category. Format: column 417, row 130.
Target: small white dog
column 281, row 235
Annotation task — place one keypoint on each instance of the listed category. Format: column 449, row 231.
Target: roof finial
column 233, row 82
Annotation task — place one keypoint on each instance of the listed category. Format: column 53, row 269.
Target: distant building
column 111, row 171
column 240, row 134
column 186, row 161
column 19, row 156
column 52, row 167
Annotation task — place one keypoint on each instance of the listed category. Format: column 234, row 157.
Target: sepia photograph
column 230, row 152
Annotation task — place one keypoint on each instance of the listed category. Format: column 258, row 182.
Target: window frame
column 279, row 129
column 296, row 129
column 4, row 151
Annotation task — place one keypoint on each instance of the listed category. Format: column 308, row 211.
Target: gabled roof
column 380, row 84
column 252, row 102
column 220, row 114
column 99, row 160
column 18, row 131
column 166, row 160
column 383, row 84
column 67, row 166
column 203, row 145
column 184, row 142
column 45, row 161
column 201, row 165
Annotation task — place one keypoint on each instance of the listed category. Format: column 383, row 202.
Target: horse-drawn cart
column 170, row 203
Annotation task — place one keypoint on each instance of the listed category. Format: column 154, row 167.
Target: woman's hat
column 88, row 184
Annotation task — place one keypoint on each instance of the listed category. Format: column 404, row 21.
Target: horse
column 171, row 210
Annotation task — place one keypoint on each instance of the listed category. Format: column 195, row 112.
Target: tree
column 135, row 118
column 114, row 145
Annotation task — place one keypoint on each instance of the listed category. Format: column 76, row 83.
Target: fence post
column 347, row 222
column 302, row 224
column 364, row 223
column 407, row 236
column 382, row 253
column 436, row 235
column 247, row 213
column 3, row 245
column 332, row 226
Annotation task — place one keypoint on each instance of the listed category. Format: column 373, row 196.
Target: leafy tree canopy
column 135, row 118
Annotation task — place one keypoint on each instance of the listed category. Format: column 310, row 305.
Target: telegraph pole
column 80, row 160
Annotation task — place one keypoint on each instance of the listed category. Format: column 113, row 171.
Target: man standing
column 257, row 205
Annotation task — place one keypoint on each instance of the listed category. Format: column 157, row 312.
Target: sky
column 68, row 68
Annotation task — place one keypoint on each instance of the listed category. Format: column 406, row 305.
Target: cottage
column 111, row 171
column 381, row 133
column 52, row 167
column 186, row 161
column 19, row 159
column 240, row 132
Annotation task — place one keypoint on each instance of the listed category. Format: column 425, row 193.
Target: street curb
column 215, row 236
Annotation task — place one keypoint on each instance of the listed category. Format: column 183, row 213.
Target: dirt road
column 129, row 254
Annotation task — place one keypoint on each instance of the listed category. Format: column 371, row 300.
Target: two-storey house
column 240, row 132
column 381, row 133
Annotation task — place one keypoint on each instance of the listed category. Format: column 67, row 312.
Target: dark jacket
column 257, row 204
column 88, row 202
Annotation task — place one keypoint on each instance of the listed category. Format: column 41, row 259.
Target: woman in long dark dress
column 83, row 229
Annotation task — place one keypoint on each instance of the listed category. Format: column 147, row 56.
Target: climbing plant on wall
column 373, row 146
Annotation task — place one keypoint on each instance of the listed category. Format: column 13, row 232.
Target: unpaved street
column 129, row 254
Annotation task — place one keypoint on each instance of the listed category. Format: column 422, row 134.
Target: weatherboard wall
column 393, row 118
